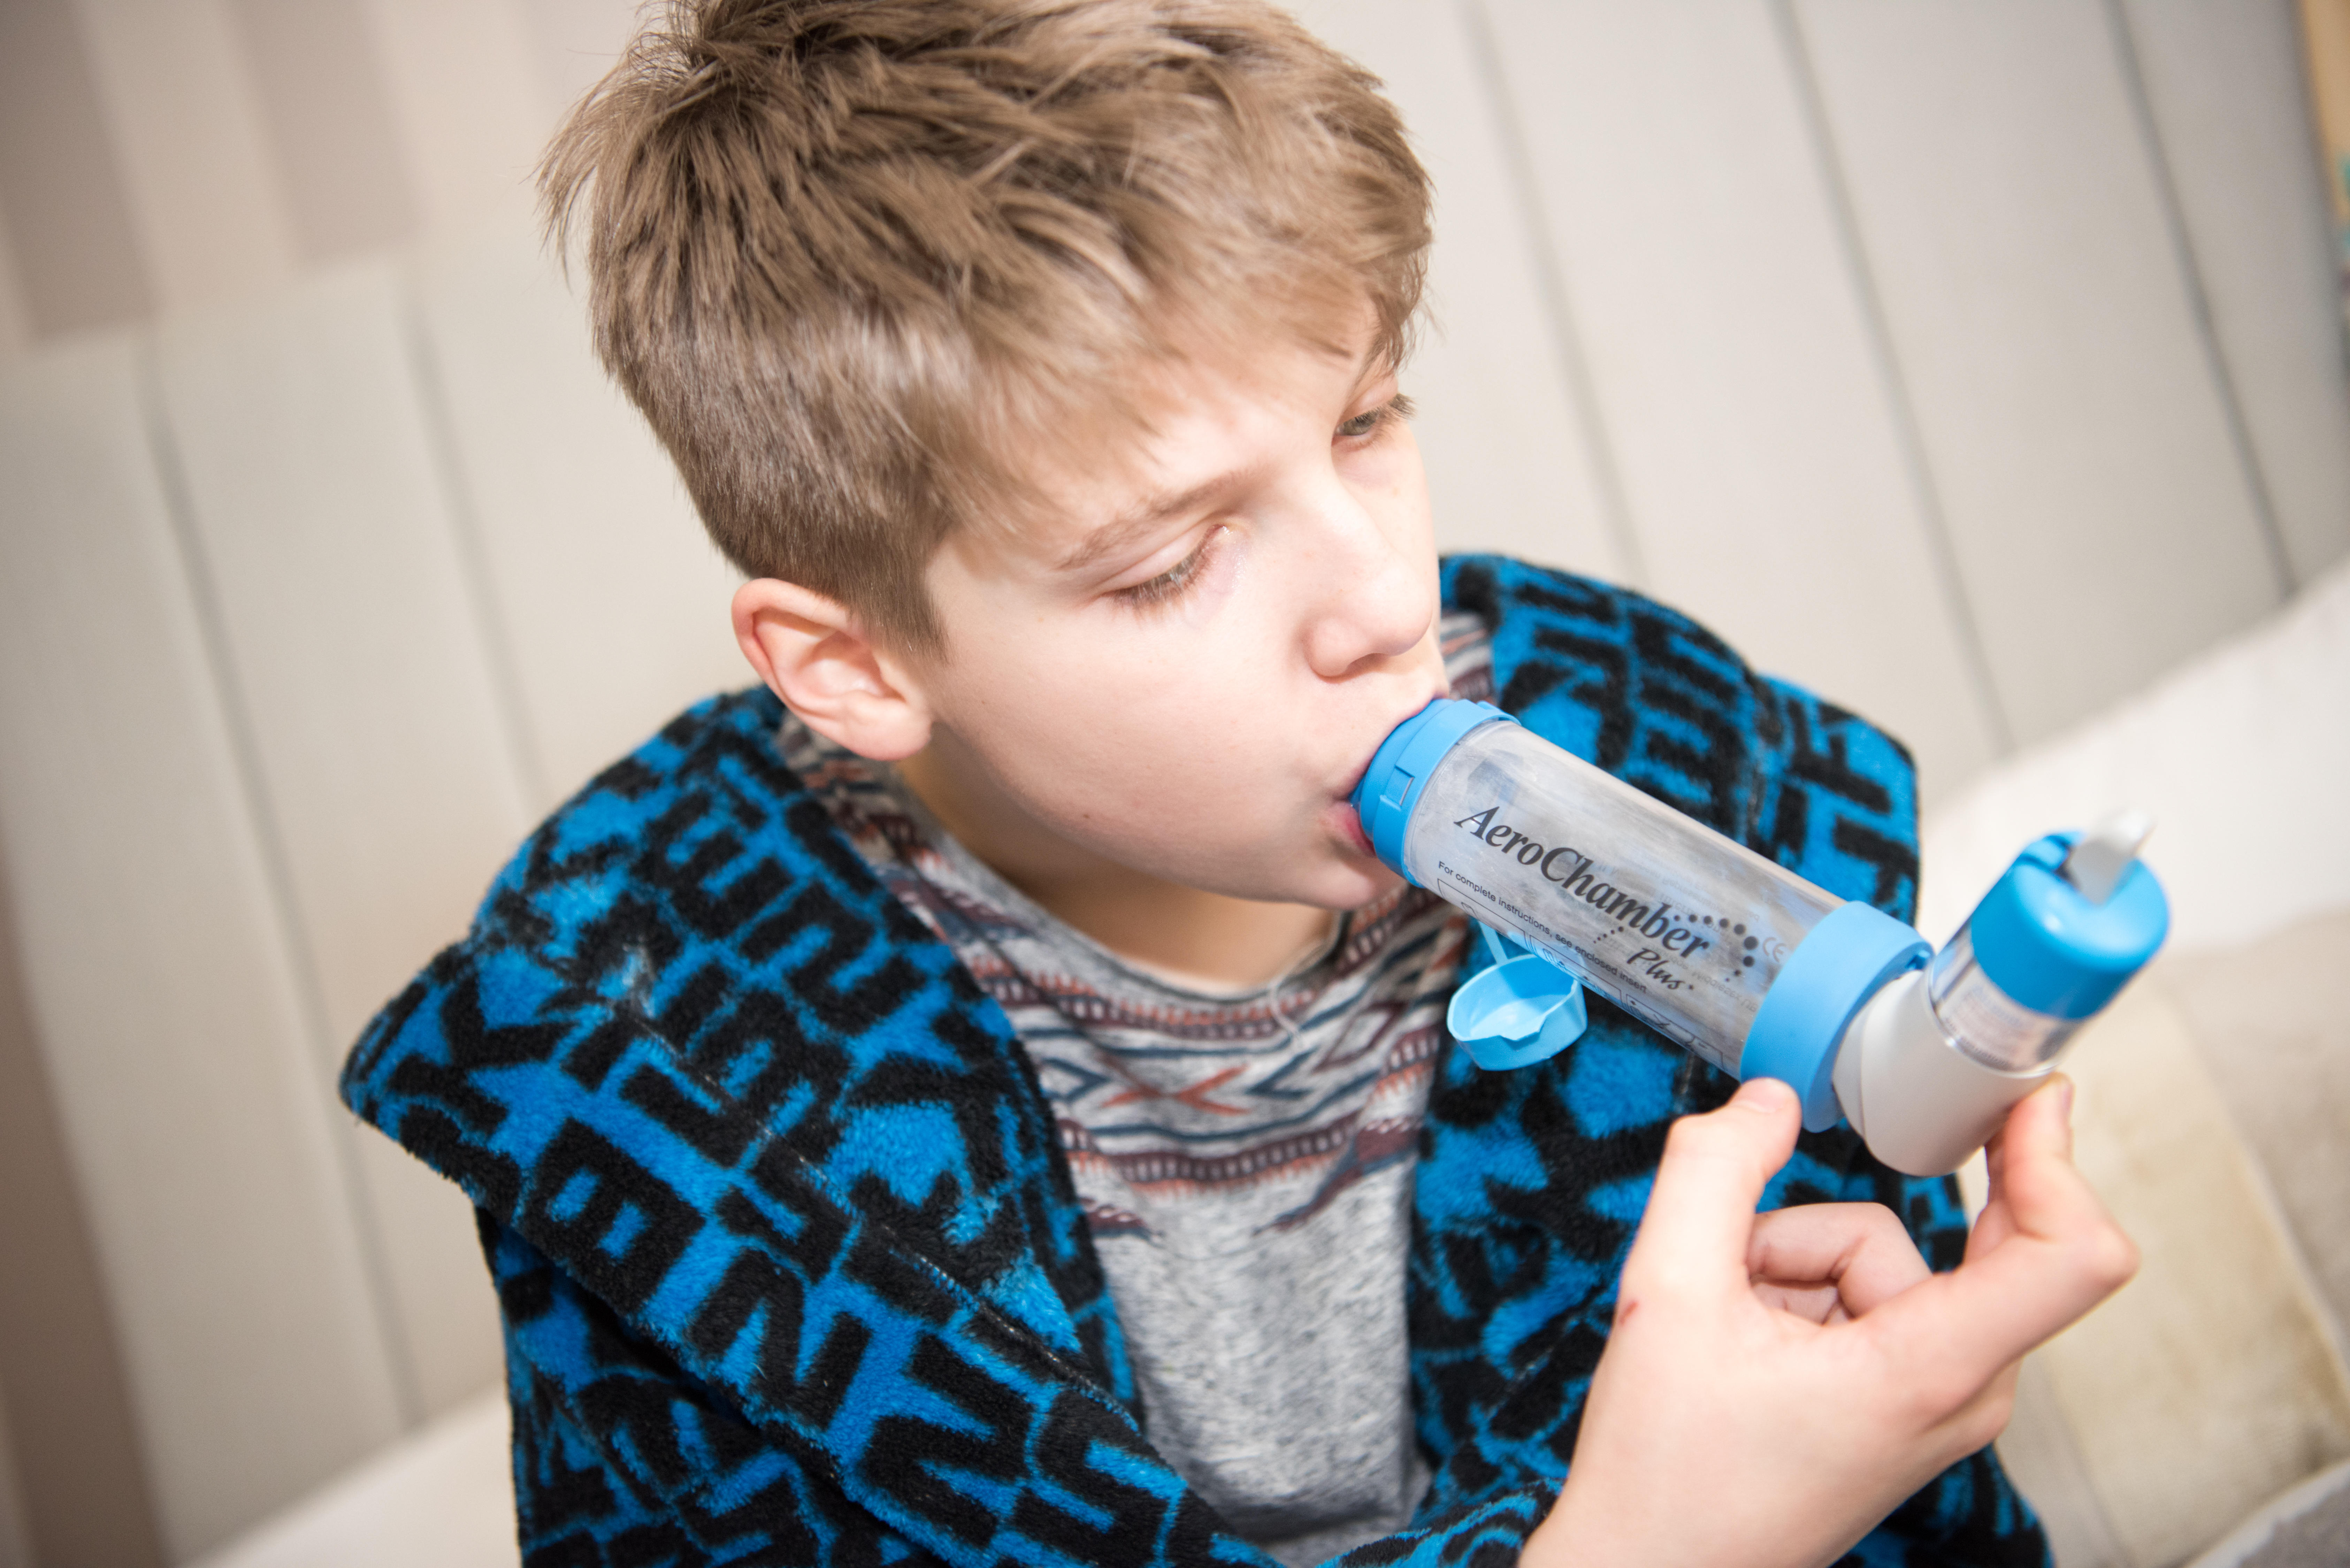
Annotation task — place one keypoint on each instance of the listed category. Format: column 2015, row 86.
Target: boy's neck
column 1204, row 941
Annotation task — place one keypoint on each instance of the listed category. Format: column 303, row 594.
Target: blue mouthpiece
column 1399, row 769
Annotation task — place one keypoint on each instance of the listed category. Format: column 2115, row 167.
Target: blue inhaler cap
column 1517, row 1010
column 2050, row 946
column 1390, row 786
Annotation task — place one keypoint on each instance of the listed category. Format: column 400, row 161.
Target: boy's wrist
column 1570, row 1537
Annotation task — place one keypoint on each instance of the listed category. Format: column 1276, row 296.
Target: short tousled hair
column 858, row 262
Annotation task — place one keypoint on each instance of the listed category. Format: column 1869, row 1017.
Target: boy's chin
column 1337, row 878
column 1329, row 865
column 1377, row 883
column 1349, row 880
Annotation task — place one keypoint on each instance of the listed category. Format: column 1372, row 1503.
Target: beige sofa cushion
column 2308, row 1527
column 441, row 1497
column 2211, row 1116
column 2273, row 1024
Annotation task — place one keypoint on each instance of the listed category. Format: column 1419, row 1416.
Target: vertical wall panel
column 16, row 321
column 60, row 189
column 614, row 603
column 163, row 993
column 577, row 41
column 472, row 119
column 82, row 1494
column 15, row 1545
column 1499, row 425
column 182, row 118
column 333, row 143
column 2230, row 102
column 1762, row 455
column 386, row 765
column 2011, row 214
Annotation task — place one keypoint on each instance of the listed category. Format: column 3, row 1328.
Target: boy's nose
column 1377, row 597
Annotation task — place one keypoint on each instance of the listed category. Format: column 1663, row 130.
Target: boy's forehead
column 1184, row 433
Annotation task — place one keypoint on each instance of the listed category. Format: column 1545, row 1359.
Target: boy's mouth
column 1346, row 795
column 1349, row 821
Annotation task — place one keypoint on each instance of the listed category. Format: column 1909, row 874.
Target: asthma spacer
column 1739, row 959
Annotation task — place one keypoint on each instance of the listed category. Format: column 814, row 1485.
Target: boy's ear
column 816, row 655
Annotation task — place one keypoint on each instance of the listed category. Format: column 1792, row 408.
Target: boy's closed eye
column 1177, row 580
column 1359, row 429
column 1396, row 410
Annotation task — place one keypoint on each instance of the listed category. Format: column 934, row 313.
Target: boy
column 976, row 1097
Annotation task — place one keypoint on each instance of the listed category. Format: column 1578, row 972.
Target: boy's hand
column 1776, row 1384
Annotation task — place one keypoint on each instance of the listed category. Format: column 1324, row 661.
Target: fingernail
column 1761, row 1092
column 2065, row 1096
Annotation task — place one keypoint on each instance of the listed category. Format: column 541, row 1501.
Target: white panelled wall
column 275, row 692
column 1970, row 361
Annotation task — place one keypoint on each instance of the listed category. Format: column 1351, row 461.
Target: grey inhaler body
column 1733, row 957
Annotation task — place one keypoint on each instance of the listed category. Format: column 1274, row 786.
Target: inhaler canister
column 1931, row 1063
column 1730, row 955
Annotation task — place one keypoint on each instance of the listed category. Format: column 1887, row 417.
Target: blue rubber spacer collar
column 1390, row 786
column 1848, row 959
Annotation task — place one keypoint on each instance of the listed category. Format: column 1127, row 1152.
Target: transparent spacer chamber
column 1674, row 923
column 1983, row 1021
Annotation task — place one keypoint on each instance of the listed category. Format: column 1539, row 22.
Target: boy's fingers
column 1995, row 1224
column 2035, row 1189
column 1860, row 1249
column 2062, row 1253
column 1701, row 1208
column 2038, row 1135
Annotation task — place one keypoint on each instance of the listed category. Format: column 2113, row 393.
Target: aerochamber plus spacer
column 1737, row 958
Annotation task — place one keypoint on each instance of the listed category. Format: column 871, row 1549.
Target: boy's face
column 1184, row 668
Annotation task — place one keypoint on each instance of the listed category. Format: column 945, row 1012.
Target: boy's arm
column 1776, row 1383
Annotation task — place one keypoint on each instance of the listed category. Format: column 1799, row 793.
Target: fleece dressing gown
column 790, row 1264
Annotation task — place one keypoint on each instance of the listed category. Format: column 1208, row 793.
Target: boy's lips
column 1350, row 820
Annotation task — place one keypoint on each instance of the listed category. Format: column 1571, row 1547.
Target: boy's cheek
column 1295, row 853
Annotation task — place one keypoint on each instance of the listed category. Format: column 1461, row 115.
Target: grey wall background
column 1972, row 361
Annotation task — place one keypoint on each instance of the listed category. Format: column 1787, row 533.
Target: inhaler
column 1578, row 879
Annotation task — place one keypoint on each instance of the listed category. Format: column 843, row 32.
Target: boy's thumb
column 1700, row 1210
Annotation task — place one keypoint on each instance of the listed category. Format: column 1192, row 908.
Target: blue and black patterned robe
column 791, row 1267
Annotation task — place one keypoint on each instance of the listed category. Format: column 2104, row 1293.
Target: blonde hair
column 854, row 258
